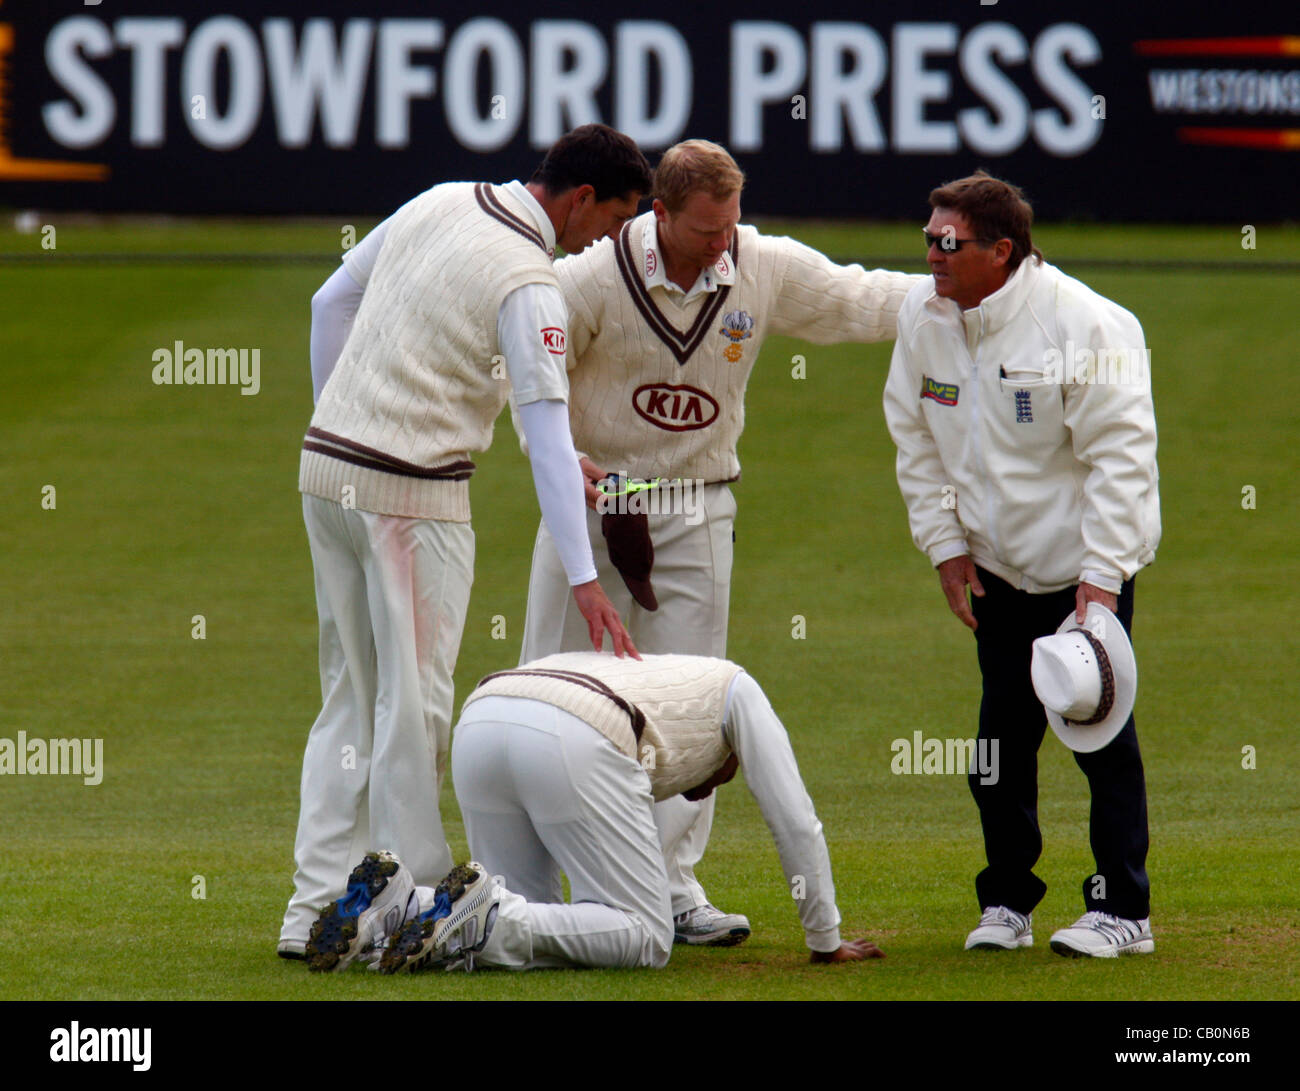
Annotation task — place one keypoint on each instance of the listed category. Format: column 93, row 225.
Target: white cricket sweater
column 413, row 393
column 657, row 386
column 681, row 700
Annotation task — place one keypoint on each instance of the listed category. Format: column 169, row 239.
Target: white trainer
column 708, row 926
column 1102, row 935
column 380, row 898
column 1001, row 929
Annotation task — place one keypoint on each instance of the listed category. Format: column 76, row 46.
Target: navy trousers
column 1009, row 621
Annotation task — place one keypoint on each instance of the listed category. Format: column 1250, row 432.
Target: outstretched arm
column 540, row 389
column 759, row 741
column 820, row 301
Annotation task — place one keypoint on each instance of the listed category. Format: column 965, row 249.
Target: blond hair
column 694, row 166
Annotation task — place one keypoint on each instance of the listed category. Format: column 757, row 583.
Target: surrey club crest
column 737, row 326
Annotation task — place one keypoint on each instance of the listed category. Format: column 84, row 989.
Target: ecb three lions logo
column 737, row 326
column 943, row 393
column 674, row 408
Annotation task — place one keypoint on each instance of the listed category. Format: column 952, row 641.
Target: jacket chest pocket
column 1029, row 396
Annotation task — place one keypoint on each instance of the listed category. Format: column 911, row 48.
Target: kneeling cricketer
column 557, row 765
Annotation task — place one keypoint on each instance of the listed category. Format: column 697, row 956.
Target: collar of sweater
column 654, row 268
column 534, row 211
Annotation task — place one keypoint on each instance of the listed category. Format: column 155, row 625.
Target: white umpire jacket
column 1026, row 433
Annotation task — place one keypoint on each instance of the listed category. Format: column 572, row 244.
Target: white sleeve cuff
column 1105, row 581
column 824, row 942
column 946, row 551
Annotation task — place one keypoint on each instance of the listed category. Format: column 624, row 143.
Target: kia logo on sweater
column 674, row 408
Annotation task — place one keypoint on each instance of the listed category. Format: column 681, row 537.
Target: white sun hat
column 1086, row 677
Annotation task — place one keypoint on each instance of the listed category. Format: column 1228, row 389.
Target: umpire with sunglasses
column 1020, row 403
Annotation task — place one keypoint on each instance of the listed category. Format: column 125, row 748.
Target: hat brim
column 1106, row 627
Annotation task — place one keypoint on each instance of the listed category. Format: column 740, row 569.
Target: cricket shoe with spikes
column 380, row 898
column 453, row 930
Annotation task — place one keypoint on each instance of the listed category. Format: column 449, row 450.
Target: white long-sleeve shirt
column 1026, row 433
column 762, row 746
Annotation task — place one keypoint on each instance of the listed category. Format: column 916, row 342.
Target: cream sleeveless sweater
column 681, row 700
column 413, row 393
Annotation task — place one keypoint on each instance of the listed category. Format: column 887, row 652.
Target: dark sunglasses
column 948, row 243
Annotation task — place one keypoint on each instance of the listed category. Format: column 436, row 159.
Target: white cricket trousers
column 392, row 594
column 544, row 792
column 692, row 581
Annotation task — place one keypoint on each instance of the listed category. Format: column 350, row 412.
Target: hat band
column 1107, row 701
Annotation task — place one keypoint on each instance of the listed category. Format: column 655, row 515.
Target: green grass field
column 173, row 502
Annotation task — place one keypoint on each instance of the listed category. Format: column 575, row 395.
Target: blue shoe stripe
column 441, row 908
column 356, row 901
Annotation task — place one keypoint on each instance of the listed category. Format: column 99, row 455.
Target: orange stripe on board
column 35, row 170
column 1280, row 45
column 1266, row 139
column 48, row 170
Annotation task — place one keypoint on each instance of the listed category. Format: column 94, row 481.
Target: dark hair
column 598, row 156
column 994, row 209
